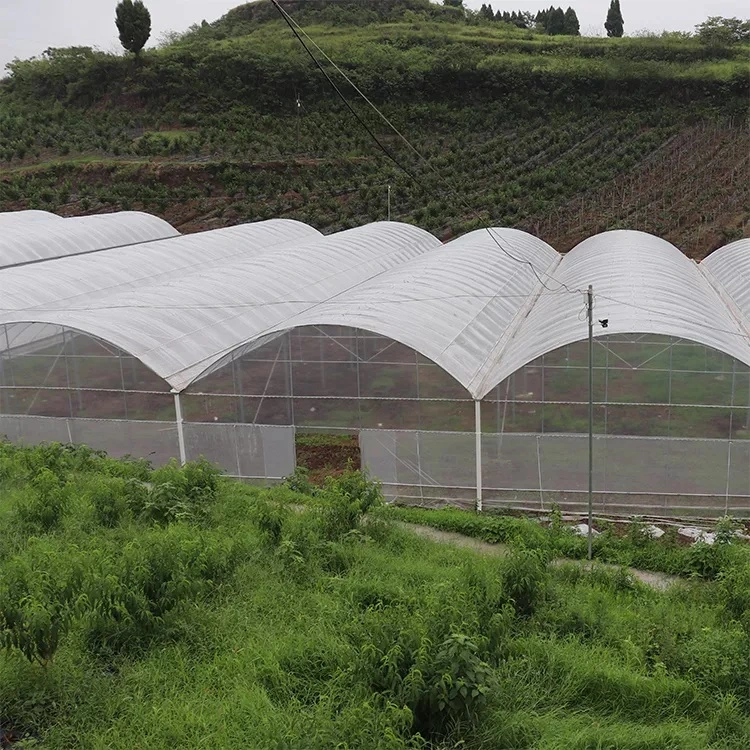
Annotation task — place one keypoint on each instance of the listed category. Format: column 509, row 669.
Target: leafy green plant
column 463, row 680
column 40, row 594
column 525, row 580
column 109, row 500
column 300, row 481
column 181, row 493
column 725, row 530
column 43, row 508
column 269, row 517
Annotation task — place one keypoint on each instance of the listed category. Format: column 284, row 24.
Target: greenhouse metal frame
column 459, row 366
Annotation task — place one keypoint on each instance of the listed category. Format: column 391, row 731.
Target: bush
column 462, row 680
column 525, row 580
column 40, row 594
column 181, row 494
column 110, row 501
column 269, row 517
column 136, row 596
column 43, row 506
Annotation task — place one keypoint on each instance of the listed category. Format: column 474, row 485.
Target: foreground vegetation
column 173, row 608
column 231, row 122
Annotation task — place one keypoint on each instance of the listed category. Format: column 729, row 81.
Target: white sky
column 27, row 27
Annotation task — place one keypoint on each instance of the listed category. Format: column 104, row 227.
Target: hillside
column 563, row 136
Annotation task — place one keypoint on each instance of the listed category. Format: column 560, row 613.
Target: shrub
column 181, row 494
column 300, row 482
column 43, row 507
column 136, row 596
column 109, row 500
column 462, row 681
column 525, row 580
column 358, row 487
column 705, row 560
column 269, row 517
column 40, row 593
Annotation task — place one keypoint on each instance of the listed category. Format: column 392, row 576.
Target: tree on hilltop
column 718, row 32
column 556, row 22
column 614, row 23
column 134, row 24
column 571, row 26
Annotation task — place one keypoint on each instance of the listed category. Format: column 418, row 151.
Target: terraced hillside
column 562, row 136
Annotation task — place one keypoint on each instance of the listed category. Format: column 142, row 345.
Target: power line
column 351, row 109
column 298, row 31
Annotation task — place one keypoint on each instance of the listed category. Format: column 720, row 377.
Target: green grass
column 633, row 549
column 194, row 611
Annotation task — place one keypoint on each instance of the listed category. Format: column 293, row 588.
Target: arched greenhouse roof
column 77, row 280
column 729, row 267
column 642, row 284
column 480, row 306
column 25, row 218
column 179, row 327
column 455, row 305
column 32, row 241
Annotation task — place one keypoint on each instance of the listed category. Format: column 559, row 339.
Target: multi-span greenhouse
column 463, row 368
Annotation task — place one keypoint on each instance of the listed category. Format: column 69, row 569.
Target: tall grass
column 194, row 611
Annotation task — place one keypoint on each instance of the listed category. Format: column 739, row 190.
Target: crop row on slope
column 503, row 167
column 693, row 191
column 172, row 608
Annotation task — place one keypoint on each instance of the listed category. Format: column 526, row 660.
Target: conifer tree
column 614, row 23
column 134, row 24
column 556, row 22
column 571, row 26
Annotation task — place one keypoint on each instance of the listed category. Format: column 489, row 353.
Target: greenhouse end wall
column 671, row 417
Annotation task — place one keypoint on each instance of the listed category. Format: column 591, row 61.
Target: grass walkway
column 659, row 581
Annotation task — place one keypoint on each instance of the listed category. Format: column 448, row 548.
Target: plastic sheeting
column 25, row 218
column 480, row 307
column 84, row 281
column 27, row 241
column 674, row 475
column 456, row 305
column 642, row 284
column 242, row 450
column 180, row 327
column 729, row 267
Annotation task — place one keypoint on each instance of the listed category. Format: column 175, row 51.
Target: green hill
column 564, row 136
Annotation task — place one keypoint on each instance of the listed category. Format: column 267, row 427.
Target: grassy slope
column 606, row 139
column 240, row 622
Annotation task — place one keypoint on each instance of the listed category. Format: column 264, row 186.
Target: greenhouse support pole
column 478, row 449
column 590, row 309
column 180, row 428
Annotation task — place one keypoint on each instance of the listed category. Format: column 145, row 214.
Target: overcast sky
column 27, row 27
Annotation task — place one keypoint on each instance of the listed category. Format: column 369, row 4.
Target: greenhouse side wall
column 62, row 386
column 671, row 418
column 671, row 425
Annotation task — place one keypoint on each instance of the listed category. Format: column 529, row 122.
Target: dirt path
column 659, row 581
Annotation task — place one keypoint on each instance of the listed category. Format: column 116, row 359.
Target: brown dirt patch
column 325, row 456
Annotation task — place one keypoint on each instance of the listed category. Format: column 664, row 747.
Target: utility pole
column 389, row 202
column 590, row 310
